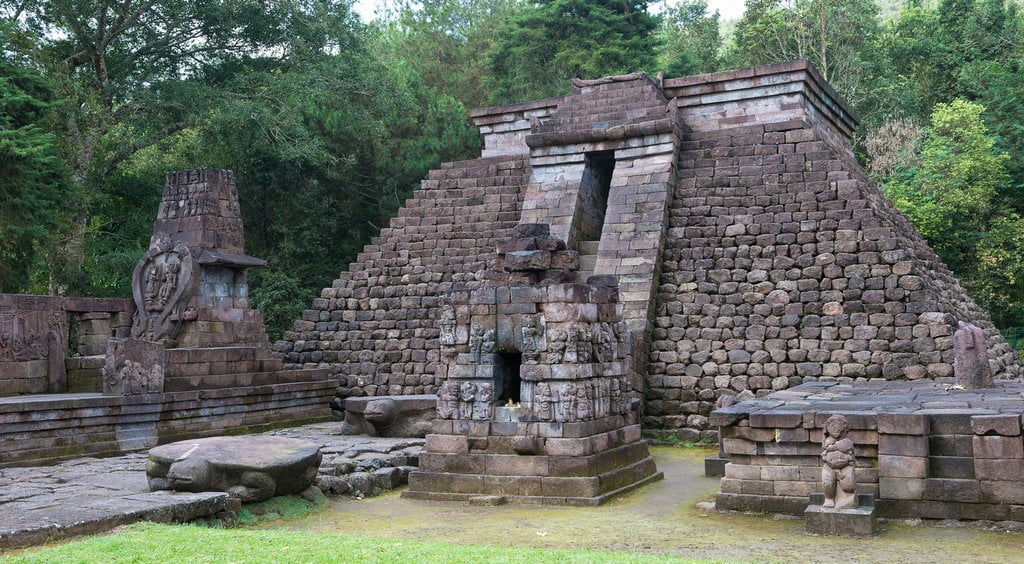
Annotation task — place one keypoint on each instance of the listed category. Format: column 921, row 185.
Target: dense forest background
column 330, row 122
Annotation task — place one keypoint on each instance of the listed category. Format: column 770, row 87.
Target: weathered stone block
column 892, row 466
column 998, row 447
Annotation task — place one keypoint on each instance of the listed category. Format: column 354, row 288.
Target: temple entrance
column 507, row 382
column 593, row 196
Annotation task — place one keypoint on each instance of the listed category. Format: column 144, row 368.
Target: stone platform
column 92, row 495
column 925, row 449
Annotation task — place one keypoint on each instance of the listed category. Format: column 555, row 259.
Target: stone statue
column 543, row 401
column 615, row 397
column 556, row 347
column 152, row 286
column 482, row 405
column 572, row 345
column 533, row 339
column 250, row 468
column 448, row 400
column 169, row 284
column 970, row 357
column 447, row 337
column 604, row 343
column 467, row 393
column 583, row 401
column 837, row 471
column 162, row 284
column 476, row 342
column 570, row 403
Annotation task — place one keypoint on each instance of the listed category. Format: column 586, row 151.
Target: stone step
column 241, row 380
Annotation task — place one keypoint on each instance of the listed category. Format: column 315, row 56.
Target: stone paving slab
column 92, row 495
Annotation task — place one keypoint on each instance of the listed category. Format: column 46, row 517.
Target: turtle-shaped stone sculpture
column 251, row 468
column 390, row 416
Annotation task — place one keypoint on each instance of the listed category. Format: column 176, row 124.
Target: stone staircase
column 588, row 260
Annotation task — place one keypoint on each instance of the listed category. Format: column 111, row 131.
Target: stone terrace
column 924, row 448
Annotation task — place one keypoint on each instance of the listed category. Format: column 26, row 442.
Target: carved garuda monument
column 190, row 288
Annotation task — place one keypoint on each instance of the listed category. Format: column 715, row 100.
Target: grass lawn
column 151, row 542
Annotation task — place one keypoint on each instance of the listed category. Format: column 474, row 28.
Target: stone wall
column 923, row 449
column 784, row 262
column 37, row 430
column 376, row 326
column 36, row 334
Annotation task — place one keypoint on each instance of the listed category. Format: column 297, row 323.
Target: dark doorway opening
column 507, row 380
column 593, row 199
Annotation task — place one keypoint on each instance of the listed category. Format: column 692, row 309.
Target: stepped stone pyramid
column 751, row 251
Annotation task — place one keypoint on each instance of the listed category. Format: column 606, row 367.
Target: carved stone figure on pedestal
column 837, row 471
column 584, row 344
column 615, row 396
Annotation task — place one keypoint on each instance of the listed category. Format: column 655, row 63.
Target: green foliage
column 690, row 39
column 832, row 34
column 441, row 41
column 952, row 200
column 548, row 43
column 34, row 185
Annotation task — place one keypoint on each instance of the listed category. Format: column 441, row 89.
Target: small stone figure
column 447, row 337
column 556, row 348
column 476, row 342
column 448, row 400
column 585, row 346
column 482, row 405
column 584, row 401
column 572, row 345
column 604, row 343
column 467, row 393
column 570, row 403
column 837, row 471
column 533, row 339
column 970, row 357
column 169, row 285
column 615, row 397
column 152, row 286
column 543, row 401
column 156, row 380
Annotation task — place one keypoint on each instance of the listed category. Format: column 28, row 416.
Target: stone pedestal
column 856, row 522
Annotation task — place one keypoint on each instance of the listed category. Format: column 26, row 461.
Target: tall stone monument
column 189, row 290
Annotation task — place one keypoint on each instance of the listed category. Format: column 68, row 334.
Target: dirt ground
column 661, row 518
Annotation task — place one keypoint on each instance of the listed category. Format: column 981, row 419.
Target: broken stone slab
column 390, row 416
column 251, row 468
